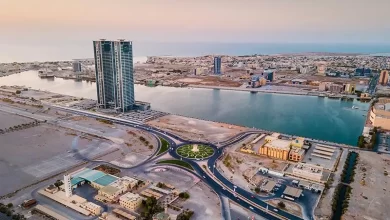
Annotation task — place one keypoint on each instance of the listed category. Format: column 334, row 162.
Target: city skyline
column 198, row 21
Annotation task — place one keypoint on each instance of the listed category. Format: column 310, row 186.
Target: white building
column 68, row 186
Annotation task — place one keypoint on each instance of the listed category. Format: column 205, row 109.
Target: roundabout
column 195, row 151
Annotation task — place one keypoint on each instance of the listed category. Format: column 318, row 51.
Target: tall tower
column 114, row 74
column 68, row 186
column 217, row 65
column 384, row 77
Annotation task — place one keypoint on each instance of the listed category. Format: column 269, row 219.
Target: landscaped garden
column 195, row 151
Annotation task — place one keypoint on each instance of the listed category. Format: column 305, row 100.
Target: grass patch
column 177, row 162
column 164, row 146
column 204, row 151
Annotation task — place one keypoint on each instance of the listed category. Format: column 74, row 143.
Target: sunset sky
column 318, row 21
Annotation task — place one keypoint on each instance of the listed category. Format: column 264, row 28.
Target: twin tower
column 114, row 74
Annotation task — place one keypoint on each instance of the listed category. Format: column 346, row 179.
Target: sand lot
column 371, row 189
column 8, row 120
column 31, row 154
column 195, row 129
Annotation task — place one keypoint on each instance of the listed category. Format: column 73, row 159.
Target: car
column 276, row 210
column 204, row 177
column 251, row 207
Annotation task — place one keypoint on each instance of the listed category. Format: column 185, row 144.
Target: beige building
column 277, row 148
column 308, row 171
column 92, row 207
column 384, row 77
column 120, row 186
column 298, row 142
column 272, row 137
column 296, row 154
column 130, row 201
column 380, row 114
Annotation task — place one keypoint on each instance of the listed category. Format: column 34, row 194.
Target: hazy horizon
column 66, row 29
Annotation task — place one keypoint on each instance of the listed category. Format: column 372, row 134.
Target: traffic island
column 177, row 163
column 195, row 151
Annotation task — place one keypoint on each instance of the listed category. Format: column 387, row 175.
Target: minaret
column 68, row 185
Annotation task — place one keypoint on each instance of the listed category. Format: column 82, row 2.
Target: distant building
column 349, row 88
column 321, row 68
column 384, row 77
column 130, row 201
column 217, row 65
column 258, row 81
column 336, row 88
column 324, row 86
column 299, row 81
column 76, row 66
column 114, row 74
column 298, row 142
column 269, row 74
column 363, row 72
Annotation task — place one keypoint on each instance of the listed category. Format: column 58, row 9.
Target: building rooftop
column 309, row 167
column 269, row 186
column 105, row 180
column 130, row 196
column 293, row 192
column 110, row 190
column 279, row 144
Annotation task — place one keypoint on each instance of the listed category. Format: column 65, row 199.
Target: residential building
column 324, row 86
column 308, row 171
column 114, row 74
column 321, row 69
column 384, row 77
column 130, row 201
column 336, row 88
column 277, row 148
column 349, row 88
column 296, row 154
column 217, row 65
column 269, row 74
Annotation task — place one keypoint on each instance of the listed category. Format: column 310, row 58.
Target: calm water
column 320, row 118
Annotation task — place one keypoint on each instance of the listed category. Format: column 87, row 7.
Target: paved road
column 217, row 182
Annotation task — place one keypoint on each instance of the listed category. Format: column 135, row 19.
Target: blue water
column 49, row 51
column 308, row 116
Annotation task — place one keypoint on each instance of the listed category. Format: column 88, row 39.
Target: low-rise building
column 92, row 207
column 277, row 149
column 130, row 201
column 296, row 154
column 308, row 171
column 380, row 114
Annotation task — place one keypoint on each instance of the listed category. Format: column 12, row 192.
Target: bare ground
column 370, row 197
column 196, row 129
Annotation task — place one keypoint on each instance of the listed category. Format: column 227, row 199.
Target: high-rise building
column 384, row 77
column 76, row 66
column 114, row 74
column 217, row 65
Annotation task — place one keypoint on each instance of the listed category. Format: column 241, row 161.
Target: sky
column 284, row 21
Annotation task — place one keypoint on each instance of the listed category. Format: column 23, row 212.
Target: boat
column 354, row 107
column 44, row 74
column 321, row 95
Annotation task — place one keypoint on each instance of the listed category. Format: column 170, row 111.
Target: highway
column 217, row 182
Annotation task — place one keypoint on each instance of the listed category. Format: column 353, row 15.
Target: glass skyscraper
column 217, row 65
column 114, row 74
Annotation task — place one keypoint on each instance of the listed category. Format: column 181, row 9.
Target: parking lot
column 307, row 200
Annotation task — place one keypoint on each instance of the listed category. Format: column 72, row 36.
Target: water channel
column 308, row 116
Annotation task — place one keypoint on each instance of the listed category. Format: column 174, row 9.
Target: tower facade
column 217, row 65
column 114, row 74
column 68, row 186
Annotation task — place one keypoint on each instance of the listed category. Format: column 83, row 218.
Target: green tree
column 281, row 205
column 257, row 189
